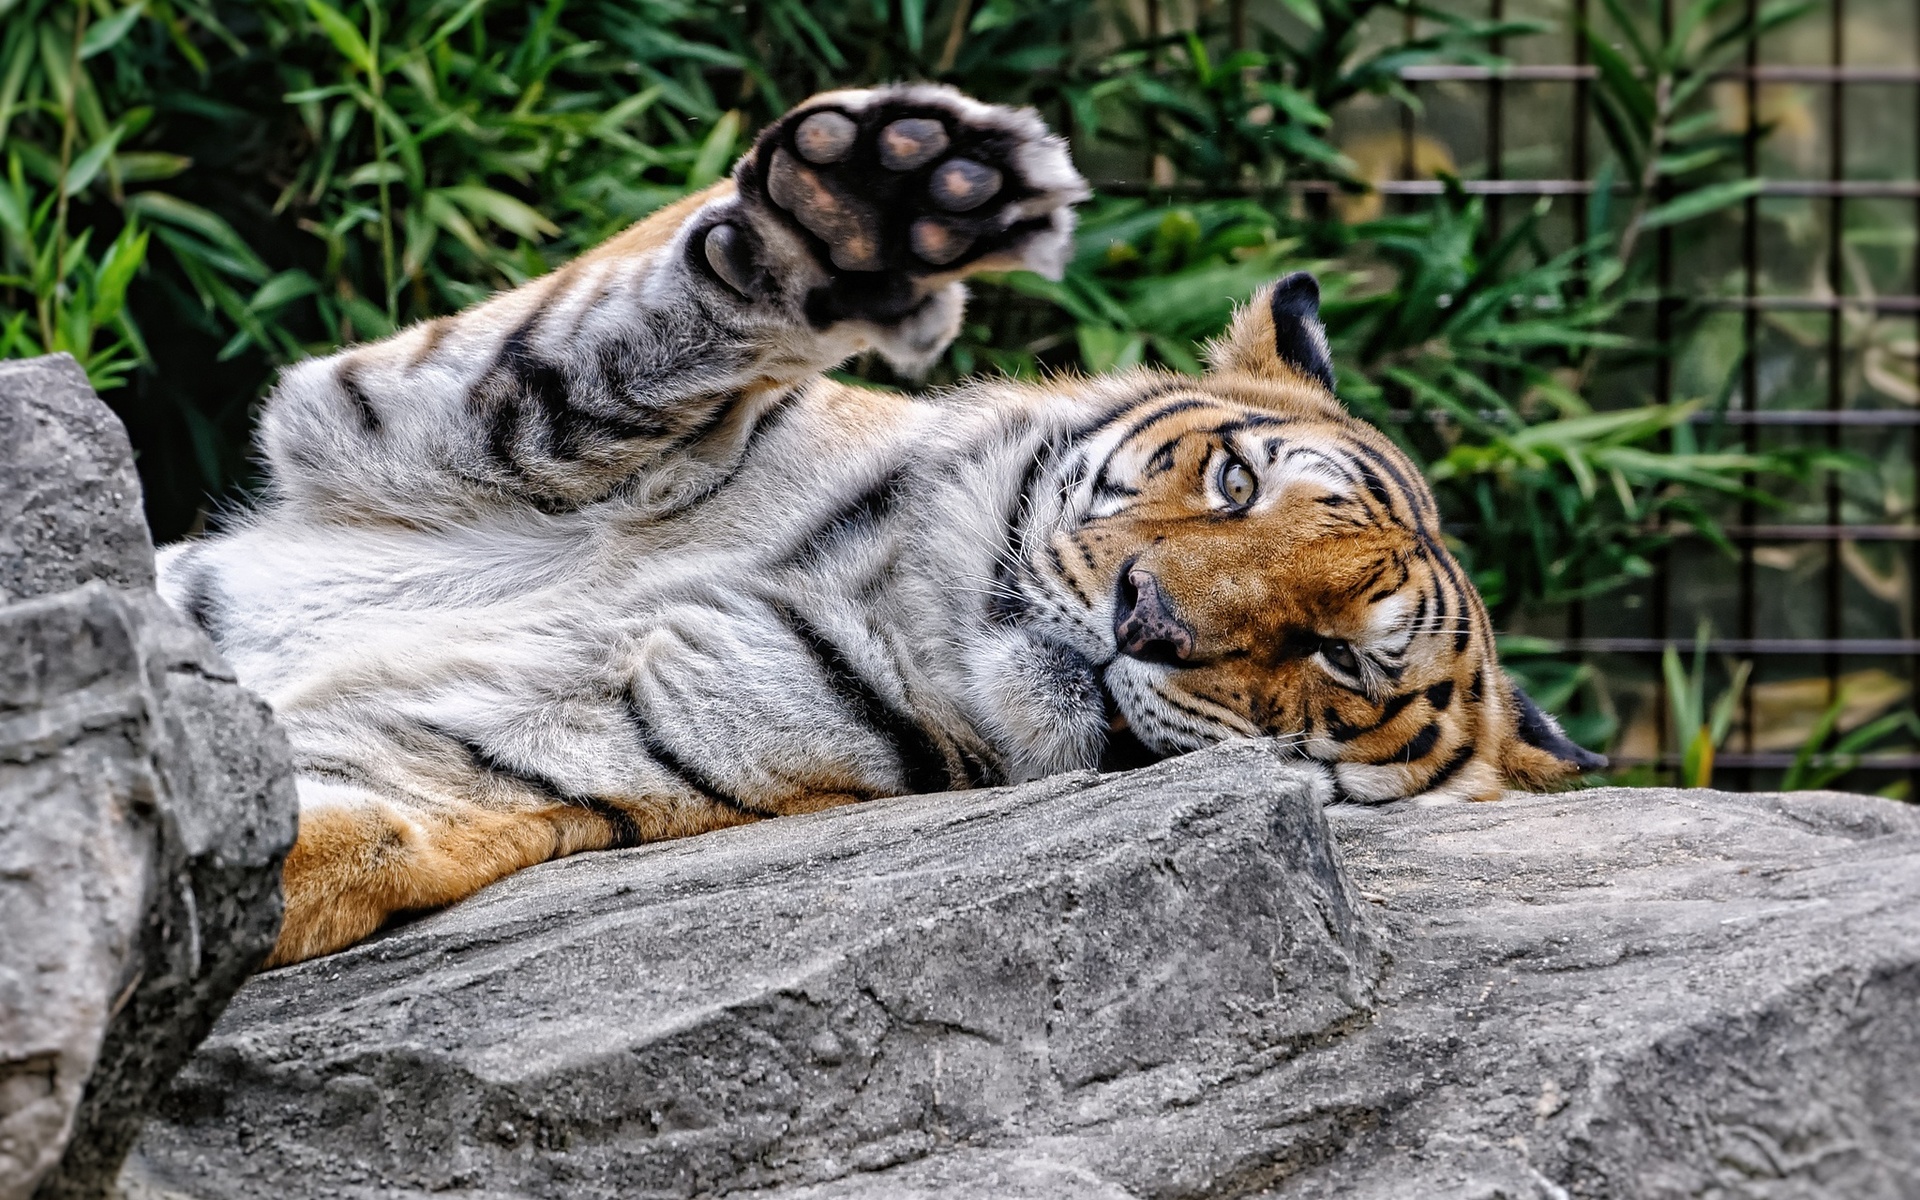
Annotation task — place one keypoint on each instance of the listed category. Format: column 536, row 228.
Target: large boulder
column 797, row 1001
column 146, row 802
column 1187, row 981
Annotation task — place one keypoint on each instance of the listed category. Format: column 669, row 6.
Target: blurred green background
column 1551, row 235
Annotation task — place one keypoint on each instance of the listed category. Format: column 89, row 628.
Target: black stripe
column 348, row 377
column 1161, row 460
column 769, row 421
column 618, row 381
column 722, row 409
column 1199, row 714
column 862, row 514
column 675, row 765
column 1400, row 561
column 1086, row 556
column 1060, row 573
column 1414, row 496
column 1103, row 489
column 979, row 775
column 1451, row 767
column 1372, row 579
column 1141, row 422
column 1007, row 602
column 1442, row 611
column 1440, row 695
column 1442, row 565
column 1337, row 465
column 1340, row 731
column 521, row 387
column 922, row 764
column 202, row 600
column 626, row 831
column 1377, row 486
column 1417, row 747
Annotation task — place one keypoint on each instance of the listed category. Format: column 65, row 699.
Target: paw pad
column 727, row 254
column 936, row 243
column 825, row 137
column 912, row 142
column 962, row 185
column 846, row 225
column 908, row 183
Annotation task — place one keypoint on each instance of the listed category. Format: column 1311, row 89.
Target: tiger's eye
column 1237, row 483
column 1339, row 654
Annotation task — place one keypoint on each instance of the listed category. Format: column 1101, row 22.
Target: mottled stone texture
column 1187, row 981
column 146, row 801
column 69, row 497
column 799, row 1000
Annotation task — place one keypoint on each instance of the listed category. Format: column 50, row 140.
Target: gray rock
column 798, row 1001
column 69, row 497
column 146, row 801
column 1164, row 984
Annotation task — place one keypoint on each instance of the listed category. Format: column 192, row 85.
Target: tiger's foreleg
column 846, row 228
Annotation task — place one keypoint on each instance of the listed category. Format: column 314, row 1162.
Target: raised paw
column 896, row 191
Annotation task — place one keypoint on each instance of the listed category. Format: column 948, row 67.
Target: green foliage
column 1824, row 758
column 1699, row 731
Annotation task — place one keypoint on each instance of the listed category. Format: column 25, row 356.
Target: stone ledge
column 794, row 1001
column 1161, row 984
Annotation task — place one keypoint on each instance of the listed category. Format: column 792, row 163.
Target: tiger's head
column 1236, row 555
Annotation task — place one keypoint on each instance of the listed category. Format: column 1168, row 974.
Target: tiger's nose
column 1144, row 626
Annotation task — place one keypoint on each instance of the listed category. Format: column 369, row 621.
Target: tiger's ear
column 1279, row 334
column 1539, row 754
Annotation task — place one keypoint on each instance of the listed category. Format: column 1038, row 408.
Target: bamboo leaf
column 503, row 210
column 238, row 257
column 1682, row 164
column 374, row 173
column 1619, row 81
column 104, row 35
column 1721, row 722
column 147, row 166
column 283, row 288
column 1630, row 29
column 716, row 152
column 345, row 37
column 117, row 268
column 86, row 165
column 1700, row 203
column 913, row 19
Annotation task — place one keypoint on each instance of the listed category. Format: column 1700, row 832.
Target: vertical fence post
column 1836, row 328
column 1581, row 172
column 1662, row 583
column 1750, row 384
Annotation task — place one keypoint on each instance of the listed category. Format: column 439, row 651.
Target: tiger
column 610, row 557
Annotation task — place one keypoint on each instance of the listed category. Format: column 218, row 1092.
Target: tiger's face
column 1247, row 559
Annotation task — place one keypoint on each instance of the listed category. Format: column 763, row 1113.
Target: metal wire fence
column 1811, row 296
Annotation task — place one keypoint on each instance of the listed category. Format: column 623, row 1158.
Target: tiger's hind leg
column 361, row 858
